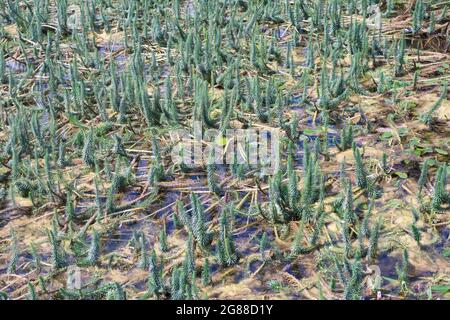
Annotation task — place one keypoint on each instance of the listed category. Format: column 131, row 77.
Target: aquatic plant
column 360, row 170
column 197, row 224
column 57, row 254
column 349, row 213
column 373, row 240
column 364, row 227
column 415, row 233
column 163, row 246
column 347, row 241
column 210, row 169
column 155, row 281
column 94, row 92
column 418, row 16
column 61, row 154
column 443, row 15
column 402, row 271
column 144, row 259
column 115, row 292
column 346, row 139
column 89, row 149
column 263, row 246
column 14, row 259
column 70, row 208
column 427, row 116
column 297, row 247
column 226, row 249
column 440, row 195
column 94, row 249
column 31, row 292
column 175, row 292
column 42, row 284
column 36, row 258
column 206, row 273
column 353, row 286
column 293, row 194
column 389, row 8
column 400, row 56
column 118, row 148
column 432, row 24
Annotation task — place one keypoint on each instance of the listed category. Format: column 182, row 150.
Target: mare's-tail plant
column 198, row 223
column 118, row 148
column 423, row 177
column 155, row 281
column 364, row 227
column 353, row 286
column 12, row 265
column 70, row 208
column 418, row 16
column 373, row 241
column 389, row 8
column 346, row 138
column 320, row 222
column 61, row 154
column 347, row 239
column 206, row 273
column 432, row 24
column 177, row 285
column 89, row 149
column 443, row 15
column 292, row 179
column 183, row 216
column 400, row 57
column 36, row 259
column 297, row 247
column 189, row 256
column 210, row 169
column 263, row 245
column 384, row 163
column 163, row 246
column 31, row 291
column 42, row 284
column 349, row 213
column 144, row 259
column 94, row 249
column 361, row 172
column 226, row 249
column 416, row 233
column 115, row 292
column 427, row 116
column 440, row 195
column 402, row 272
column 310, row 54
column 57, row 254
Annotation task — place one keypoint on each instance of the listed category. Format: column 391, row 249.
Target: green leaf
column 386, row 135
column 402, row 175
column 446, row 252
column 414, row 141
column 394, row 203
column 442, row 289
column 311, row 132
column 221, row 140
column 73, row 120
column 402, row 131
column 440, row 151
